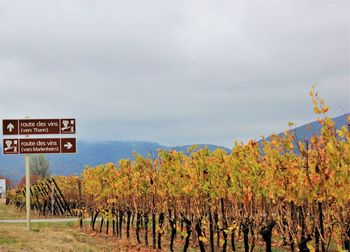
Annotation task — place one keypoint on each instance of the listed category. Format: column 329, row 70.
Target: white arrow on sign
column 10, row 127
column 68, row 145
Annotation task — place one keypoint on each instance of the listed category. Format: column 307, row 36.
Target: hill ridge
column 92, row 153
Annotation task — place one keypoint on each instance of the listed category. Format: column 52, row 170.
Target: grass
column 7, row 240
column 47, row 237
column 10, row 212
column 63, row 236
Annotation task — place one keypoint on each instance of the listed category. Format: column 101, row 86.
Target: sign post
column 27, row 146
column 27, row 163
column 28, row 190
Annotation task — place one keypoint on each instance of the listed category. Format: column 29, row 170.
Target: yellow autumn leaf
column 310, row 247
column 203, row 239
column 317, row 111
column 184, row 234
column 340, row 249
column 233, row 227
column 221, row 242
column 340, row 133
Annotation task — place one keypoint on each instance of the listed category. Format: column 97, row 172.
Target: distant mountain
column 88, row 153
column 315, row 127
column 94, row 153
column 302, row 133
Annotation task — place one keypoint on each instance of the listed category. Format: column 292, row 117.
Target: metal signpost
column 27, row 146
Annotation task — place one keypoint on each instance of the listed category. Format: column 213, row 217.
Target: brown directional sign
column 38, row 126
column 10, row 146
column 39, row 146
column 67, row 126
column 68, row 145
column 10, row 127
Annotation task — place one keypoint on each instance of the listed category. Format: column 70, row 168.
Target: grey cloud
column 175, row 72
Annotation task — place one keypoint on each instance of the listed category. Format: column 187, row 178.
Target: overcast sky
column 173, row 72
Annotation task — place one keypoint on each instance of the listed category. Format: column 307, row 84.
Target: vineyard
column 278, row 192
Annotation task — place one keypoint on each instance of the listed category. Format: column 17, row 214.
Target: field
column 10, row 212
column 47, row 236
column 62, row 237
column 44, row 236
